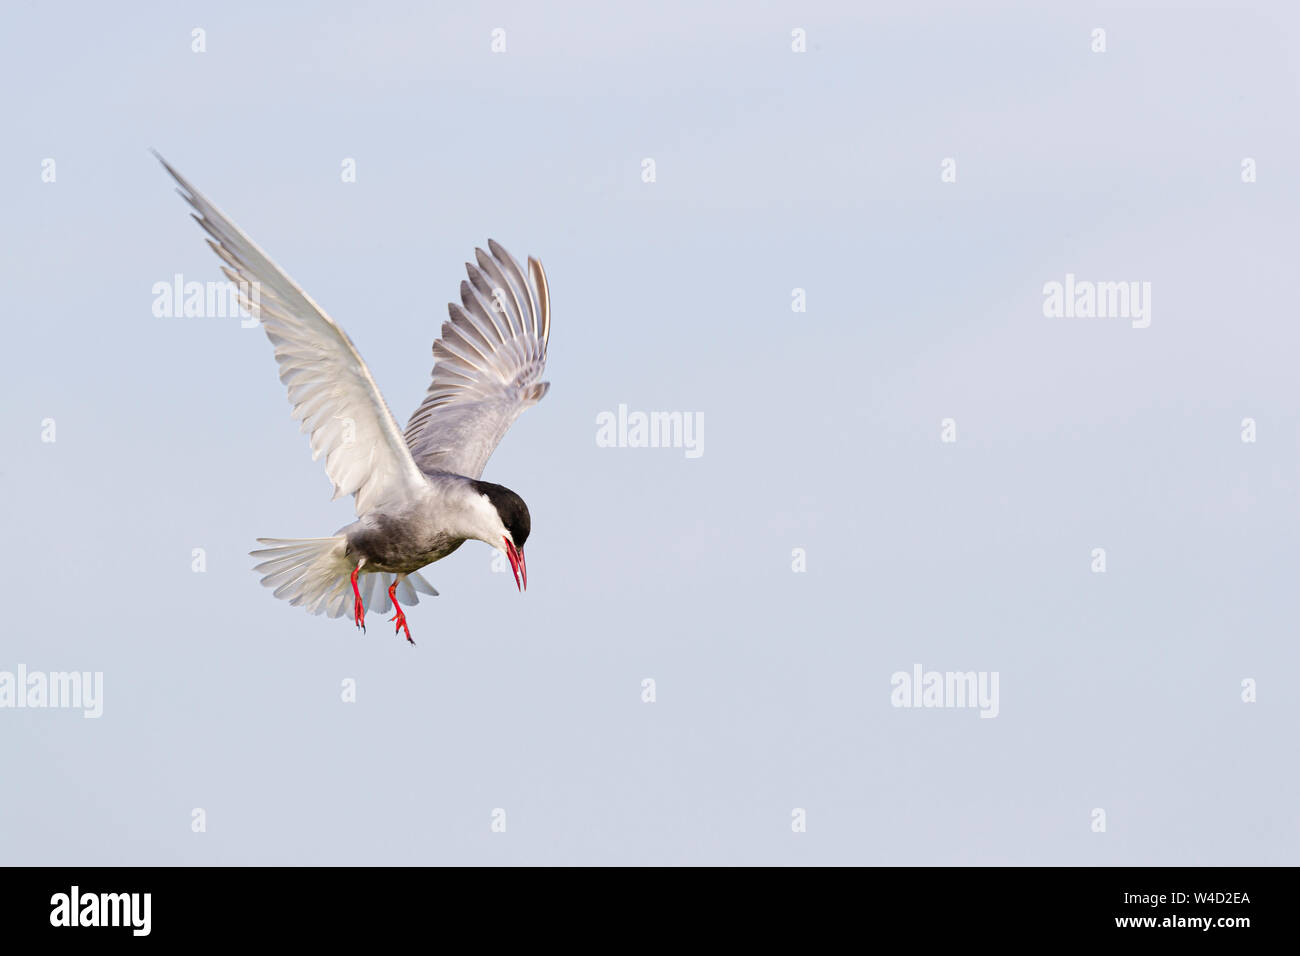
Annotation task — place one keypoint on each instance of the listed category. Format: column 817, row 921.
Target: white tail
column 316, row 574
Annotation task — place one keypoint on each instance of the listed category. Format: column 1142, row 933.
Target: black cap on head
column 511, row 508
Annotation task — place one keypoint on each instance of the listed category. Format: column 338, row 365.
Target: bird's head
column 506, row 526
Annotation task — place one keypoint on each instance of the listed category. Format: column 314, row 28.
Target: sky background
column 774, row 171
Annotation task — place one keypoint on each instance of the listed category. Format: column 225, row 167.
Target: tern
column 419, row 493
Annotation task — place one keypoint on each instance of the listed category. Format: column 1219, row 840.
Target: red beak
column 516, row 556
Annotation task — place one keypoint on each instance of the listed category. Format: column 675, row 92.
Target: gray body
column 406, row 538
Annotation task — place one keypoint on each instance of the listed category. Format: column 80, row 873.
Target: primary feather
column 330, row 387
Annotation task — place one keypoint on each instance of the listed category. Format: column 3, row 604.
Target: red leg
column 358, row 612
column 400, row 616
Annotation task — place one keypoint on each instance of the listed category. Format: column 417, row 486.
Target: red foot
column 400, row 616
column 358, row 612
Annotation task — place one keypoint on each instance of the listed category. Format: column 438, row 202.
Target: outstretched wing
column 487, row 365
column 332, row 391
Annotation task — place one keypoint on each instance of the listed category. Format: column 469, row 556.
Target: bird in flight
column 419, row 494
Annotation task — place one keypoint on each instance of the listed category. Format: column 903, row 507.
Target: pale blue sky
column 775, row 170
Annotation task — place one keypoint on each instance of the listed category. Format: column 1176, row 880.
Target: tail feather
column 315, row 573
